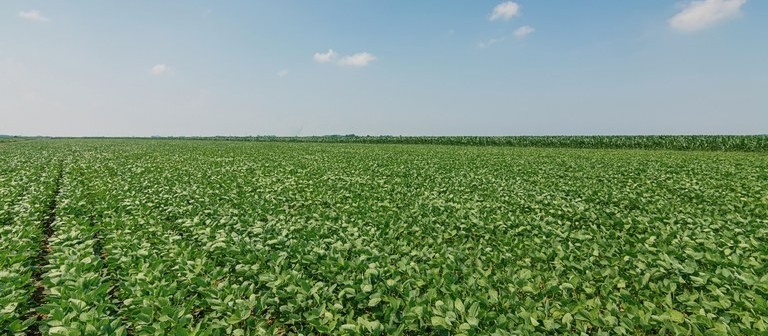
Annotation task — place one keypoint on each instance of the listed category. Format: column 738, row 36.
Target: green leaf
column 438, row 321
column 458, row 305
column 58, row 331
column 493, row 296
column 676, row 316
column 9, row 308
column 567, row 319
column 474, row 309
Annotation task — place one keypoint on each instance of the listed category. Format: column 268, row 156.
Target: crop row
column 77, row 299
column 27, row 185
column 751, row 143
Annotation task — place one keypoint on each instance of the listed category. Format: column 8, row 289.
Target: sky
column 396, row 67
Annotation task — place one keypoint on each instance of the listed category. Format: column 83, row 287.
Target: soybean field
column 202, row 237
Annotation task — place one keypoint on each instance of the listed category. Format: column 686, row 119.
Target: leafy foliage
column 211, row 237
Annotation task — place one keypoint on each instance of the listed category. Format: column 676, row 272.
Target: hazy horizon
column 198, row 68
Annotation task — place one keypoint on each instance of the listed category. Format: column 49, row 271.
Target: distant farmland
column 384, row 235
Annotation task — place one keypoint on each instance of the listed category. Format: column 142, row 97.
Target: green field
column 183, row 237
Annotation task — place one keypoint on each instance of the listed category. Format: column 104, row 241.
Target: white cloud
column 701, row 14
column 282, row 73
column 325, row 57
column 505, row 11
column 524, row 31
column 486, row 44
column 33, row 15
column 160, row 69
column 357, row 60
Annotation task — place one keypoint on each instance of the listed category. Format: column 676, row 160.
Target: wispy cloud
column 519, row 33
column 325, row 57
column 524, row 31
column 488, row 43
column 282, row 73
column 160, row 69
column 357, row 60
column 33, row 15
column 505, row 11
column 702, row 14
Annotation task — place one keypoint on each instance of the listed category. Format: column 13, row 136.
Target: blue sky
column 141, row 68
